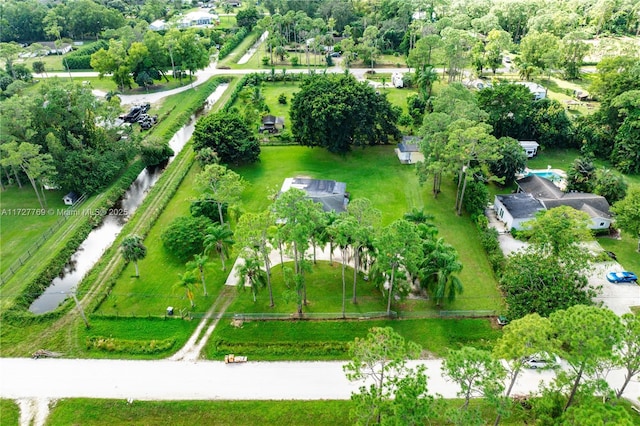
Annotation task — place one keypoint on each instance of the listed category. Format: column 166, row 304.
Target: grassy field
column 98, row 412
column 302, row 340
column 20, row 227
column 9, row 412
column 155, row 289
column 247, row 413
column 136, row 330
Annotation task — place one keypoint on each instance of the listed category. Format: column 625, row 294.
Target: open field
column 20, row 226
column 327, row 340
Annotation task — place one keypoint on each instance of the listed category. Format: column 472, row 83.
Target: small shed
column 530, row 147
column 71, row 198
column 408, row 151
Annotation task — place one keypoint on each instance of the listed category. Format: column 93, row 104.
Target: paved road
column 208, row 380
column 202, row 380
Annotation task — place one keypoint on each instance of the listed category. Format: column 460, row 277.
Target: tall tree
column 587, row 335
column 476, row 372
column 299, row 216
column 341, row 230
column 133, row 250
column 222, row 185
column 628, row 354
column 559, row 229
column 337, row 112
column 229, row 136
column 368, row 220
column 627, row 213
column 36, row 166
column 397, row 246
column 438, row 269
column 251, row 272
column 252, row 232
column 220, row 239
column 378, row 358
column 522, row 338
column 199, row 262
column 581, row 175
column 470, row 148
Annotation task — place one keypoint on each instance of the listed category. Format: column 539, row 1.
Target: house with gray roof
column 331, row 194
column 536, row 193
column 408, row 151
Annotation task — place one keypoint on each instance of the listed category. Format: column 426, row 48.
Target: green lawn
column 137, row 330
column 20, row 227
column 155, row 289
column 315, row 340
column 175, row 413
column 9, row 412
column 324, row 292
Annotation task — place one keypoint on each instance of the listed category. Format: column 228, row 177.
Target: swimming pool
column 547, row 174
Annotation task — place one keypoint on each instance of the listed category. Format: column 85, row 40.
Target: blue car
column 622, row 277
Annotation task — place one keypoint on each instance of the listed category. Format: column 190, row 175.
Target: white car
column 539, row 361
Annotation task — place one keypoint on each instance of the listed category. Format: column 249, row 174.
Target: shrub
column 135, row 347
column 265, row 60
column 184, row 237
column 282, row 99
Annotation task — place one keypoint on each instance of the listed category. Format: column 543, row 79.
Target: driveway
column 617, row 297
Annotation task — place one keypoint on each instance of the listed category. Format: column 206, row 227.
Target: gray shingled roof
column 551, row 196
column 539, row 187
column 331, row 194
column 521, row 205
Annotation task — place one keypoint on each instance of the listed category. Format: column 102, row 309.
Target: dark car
column 622, row 277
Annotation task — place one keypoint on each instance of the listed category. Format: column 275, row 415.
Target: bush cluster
column 300, row 348
column 134, row 347
column 489, row 240
column 81, row 59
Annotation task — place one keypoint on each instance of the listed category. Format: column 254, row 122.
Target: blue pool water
column 552, row 176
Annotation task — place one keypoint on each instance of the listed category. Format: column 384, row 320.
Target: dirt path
column 192, row 349
column 33, row 411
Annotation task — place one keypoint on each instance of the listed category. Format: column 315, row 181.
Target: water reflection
column 101, row 237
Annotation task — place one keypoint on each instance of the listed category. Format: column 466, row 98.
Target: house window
column 501, row 213
column 601, row 223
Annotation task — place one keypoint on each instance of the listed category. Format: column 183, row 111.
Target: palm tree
column 438, row 269
column 219, row 238
column 426, row 76
column 200, row 261
column 133, row 250
column 188, row 281
column 252, row 272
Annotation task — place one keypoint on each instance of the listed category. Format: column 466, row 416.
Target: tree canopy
column 229, row 136
column 338, row 112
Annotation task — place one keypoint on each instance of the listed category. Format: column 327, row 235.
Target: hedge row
column 232, row 42
column 133, row 347
column 328, row 349
column 491, row 245
column 249, row 79
column 81, row 59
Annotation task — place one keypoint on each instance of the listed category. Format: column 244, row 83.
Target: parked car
column 539, row 361
column 622, row 277
column 502, row 320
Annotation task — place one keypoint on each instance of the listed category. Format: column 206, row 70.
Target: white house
column 530, row 147
column 537, row 193
column 158, row 25
column 538, row 91
column 516, row 209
